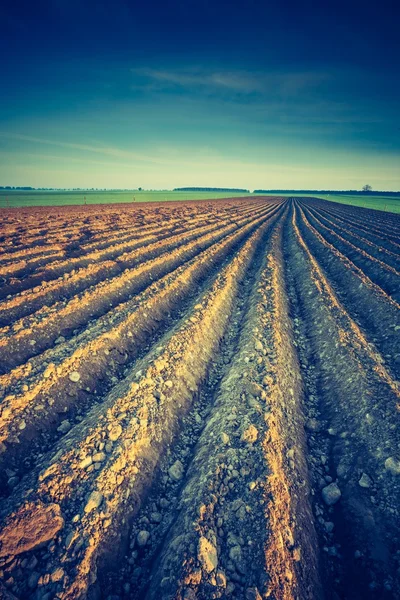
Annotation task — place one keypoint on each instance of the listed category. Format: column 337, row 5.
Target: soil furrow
column 324, row 286
column 384, row 276
column 52, row 399
column 370, row 232
column 141, row 247
column 151, row 246
column 372, row 246
column 243, row 517
column 373, row 220
column 352, row 436
column 78, row 250
column 63, row 318
column 130, row 433
column 367, row 305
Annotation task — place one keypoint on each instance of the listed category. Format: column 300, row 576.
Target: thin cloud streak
column 177, row 162
column 283, row 84
column 110, row 151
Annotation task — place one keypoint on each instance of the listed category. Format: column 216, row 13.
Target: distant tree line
column 209, row 189
column 10, row 187
column 49, row 189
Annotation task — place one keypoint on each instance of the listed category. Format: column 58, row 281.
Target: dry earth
column 200, row 401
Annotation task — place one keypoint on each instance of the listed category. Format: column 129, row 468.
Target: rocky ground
column 200, row 400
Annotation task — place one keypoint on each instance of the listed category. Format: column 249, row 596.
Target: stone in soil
column 176, row 471
column 142, row 538
column 392, row 465
column 57, row 575
column 220, row 579
column 365, row 481
column 207, row 555
column 253, row 594
column 33, row 580
column 64, row 426
column 331, row 494
column 94, row 501
column 224, row 438
column 99, row 457
column 115, row 432
column 156, row 517
column 235, row 554
column 86, row 462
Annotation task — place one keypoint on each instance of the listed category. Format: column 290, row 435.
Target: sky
column 163, row 94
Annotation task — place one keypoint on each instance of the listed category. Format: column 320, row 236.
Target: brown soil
column 199, row 401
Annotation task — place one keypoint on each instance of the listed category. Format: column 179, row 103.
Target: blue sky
column 200, row 93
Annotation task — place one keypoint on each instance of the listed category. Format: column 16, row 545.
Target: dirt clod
column 32, row 527
column 250, row 434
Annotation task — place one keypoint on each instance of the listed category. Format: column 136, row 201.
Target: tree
column 367, row 188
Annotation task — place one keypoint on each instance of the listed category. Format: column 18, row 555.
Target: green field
column 42, row 198
column 39, row 198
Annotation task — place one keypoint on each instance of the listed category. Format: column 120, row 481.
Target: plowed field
column 199, row 400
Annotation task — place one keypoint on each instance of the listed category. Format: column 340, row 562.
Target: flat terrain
column 199, row 400
column 58, row 198
column 39, row 198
